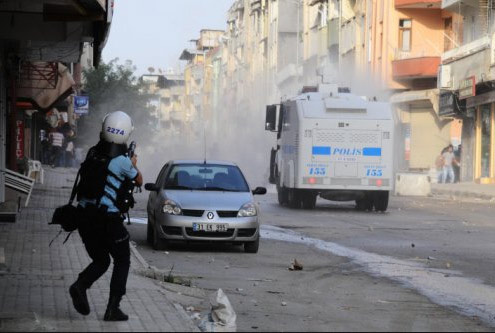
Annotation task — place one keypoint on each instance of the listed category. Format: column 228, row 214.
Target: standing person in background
column 439, row 163
column 449, row 161
column 57, row 141
column 69, row 153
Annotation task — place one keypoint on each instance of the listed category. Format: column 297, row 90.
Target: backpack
column 94, row 174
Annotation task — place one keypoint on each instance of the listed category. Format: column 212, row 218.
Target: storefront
column 481, row 128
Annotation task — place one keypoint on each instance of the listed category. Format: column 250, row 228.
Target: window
column 206, row 177
column 405, row 35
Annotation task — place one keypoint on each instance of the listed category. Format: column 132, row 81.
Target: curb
column 180, row 310
column 138, row 256
column 464, row 194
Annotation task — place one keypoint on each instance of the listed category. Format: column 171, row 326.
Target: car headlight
column 247, row 210
column 172, row 208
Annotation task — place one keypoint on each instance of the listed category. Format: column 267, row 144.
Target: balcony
column 405, row 4
column 414, row 68
column 455, row 5
column 466, row 50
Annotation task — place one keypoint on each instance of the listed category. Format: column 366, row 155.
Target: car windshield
column 206, row 177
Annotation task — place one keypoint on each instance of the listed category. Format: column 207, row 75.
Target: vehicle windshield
column 206, row 177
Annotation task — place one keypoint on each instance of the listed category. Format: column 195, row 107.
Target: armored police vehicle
column 332, row 144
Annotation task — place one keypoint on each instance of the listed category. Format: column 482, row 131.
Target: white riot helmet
column 117, row 127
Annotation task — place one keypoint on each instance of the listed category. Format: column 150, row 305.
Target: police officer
column 101, row 227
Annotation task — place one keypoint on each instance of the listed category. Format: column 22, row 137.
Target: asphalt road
column 427, row 264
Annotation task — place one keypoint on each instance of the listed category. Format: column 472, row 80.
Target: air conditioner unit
column 445, row 77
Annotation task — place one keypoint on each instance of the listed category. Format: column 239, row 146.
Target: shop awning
column 43, row 92
column 431, row 95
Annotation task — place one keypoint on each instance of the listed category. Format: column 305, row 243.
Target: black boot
column 79, row 298
column 113, row 312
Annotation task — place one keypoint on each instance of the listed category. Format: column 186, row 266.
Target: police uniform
column 104, row 235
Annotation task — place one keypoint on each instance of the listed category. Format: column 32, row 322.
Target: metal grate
column 246, row 232
column 370, row 138
column 330, row 137
column 192, row 212
column 172, row 231
column 36, row 74
column 227, row 213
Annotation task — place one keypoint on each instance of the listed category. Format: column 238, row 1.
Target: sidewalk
column 465, row 190
column 34, row 286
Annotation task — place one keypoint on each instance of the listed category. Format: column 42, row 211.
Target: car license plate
column 210, row 227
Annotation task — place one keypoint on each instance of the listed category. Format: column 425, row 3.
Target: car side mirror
column 151, row 187
column 259, row 191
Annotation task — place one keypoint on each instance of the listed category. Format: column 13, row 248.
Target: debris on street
column 222, row 317
column 296, row 266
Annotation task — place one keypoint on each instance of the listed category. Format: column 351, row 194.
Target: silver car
column 202, row 201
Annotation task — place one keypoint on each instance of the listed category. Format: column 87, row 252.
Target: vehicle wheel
column 309, row 200
column 381, row 200
column 365, row 204
column 252, row 247
column 149, row 232
column 282, row 195
column 294, row 198
column 159, row 244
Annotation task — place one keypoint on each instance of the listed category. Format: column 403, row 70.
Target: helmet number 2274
column 115, row 131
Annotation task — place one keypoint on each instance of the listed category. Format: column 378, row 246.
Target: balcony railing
column 418, row 4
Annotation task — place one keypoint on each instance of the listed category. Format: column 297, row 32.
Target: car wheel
column 294, row 199
column 309, row 201
column 149, row 231
column 365, row 204
column 252, row 247
column 282, row 196
column 159, row 244
column 381, row 200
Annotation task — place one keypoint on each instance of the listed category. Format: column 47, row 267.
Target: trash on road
column 448, row 265
column 283, row 303
column 222, row 317
column 190, row 309
column 296, row 266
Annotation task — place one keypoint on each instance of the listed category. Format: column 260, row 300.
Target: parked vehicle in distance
column 202, row 201
column 332, row 144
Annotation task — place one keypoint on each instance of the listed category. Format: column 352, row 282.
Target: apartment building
column 404, row 41
column 166, row 99
column 194, row 77
column 466, row 80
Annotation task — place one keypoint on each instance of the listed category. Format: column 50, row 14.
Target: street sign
column 467, row 87
column 81, row 104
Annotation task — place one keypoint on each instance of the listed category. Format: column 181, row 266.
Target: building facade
column 466, row 79
column 39, row 70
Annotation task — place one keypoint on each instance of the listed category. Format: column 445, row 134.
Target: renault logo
column 210, row 216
